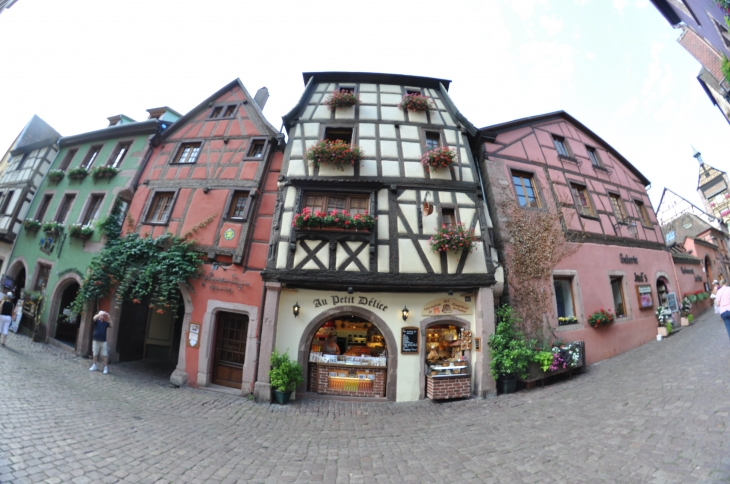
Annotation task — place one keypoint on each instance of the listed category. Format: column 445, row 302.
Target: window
column 594, row 157
column 67, row 159
column 643, row 214
column 238, row 205
column 722, row 30
column 353, row 204
column 582, row 202
column 257, row 149
column 343, row 134
column 433, row 140
column 669, row 237
column 119, row 153
column 564, row 298
column 65, row 206
column 187, row 153
column 160, row 208
column 91, row 156
column 448, row 216
column 560, row 145
column 6, row 203
column 43, row 207
column 223, row 111
column 619, row 302
column 525, row 188
column 22, row 161
column 618, row 207
column 92, row 209
column 44, row 271
column 350, row 89
column 413, row 91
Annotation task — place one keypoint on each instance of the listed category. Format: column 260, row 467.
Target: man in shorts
column 101, row 324
column 6, row 316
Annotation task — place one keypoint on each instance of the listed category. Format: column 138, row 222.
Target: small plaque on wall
column 409, row 340
column 643, row 294
column 194, row 335
column 478, row 344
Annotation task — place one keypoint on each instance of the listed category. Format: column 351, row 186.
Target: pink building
column 553, row 162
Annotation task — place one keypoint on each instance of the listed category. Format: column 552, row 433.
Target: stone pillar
column 262, row 388
column 179, row 377
column 484, row 384
column 83, row 338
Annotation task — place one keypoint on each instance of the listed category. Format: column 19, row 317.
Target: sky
column 614, row 65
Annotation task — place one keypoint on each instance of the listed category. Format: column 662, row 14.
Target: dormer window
column 342, row 134
column 221, row 112
column 216, row 112
column 560, row 145
column 257, row 149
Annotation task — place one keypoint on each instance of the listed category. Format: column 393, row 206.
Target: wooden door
column 230, row 349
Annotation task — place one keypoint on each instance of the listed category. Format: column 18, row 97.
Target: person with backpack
column 6, row 316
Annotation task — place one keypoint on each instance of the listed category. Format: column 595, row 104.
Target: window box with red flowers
column 416, row 103
column 308, row 220
column 453, row 238
column 342, row 99
column 442, row 157
column 601, row 318
column 337, row 154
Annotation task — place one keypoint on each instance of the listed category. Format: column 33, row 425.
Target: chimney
column 262, row 95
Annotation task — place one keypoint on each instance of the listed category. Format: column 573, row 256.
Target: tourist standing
column 99, row 347
column 722, row 305
column 6, row 316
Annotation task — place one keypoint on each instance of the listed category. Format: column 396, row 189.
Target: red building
column 213, row 173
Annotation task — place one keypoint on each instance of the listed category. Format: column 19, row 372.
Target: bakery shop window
column 447, row 356
column 348, row 357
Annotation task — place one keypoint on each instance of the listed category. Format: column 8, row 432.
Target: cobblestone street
column 655, row 414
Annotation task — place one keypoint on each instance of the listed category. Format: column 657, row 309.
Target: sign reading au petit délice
column 345, row 299
column 448, row 306
column 409, row 340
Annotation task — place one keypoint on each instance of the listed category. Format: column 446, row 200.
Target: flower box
column 52, row 227
column 78, row 231
column 567, row 358
column 416, row 103
column 567, row 320
column 441, row 157
column 335, row 153
column 333, row 221
column 342, row 99
column 601, row 318
column 55, row 175
column 31, row 226
column 101, row 172
column 78, row 173
column 453, row 238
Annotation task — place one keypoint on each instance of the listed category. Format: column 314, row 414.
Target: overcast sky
column 613, row 64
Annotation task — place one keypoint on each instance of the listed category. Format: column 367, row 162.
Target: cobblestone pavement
column 655, row 414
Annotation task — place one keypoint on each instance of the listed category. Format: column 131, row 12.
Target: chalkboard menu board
column 409, row 340
column 672, row 302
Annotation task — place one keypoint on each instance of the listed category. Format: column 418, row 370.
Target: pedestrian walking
column 722, row 305
column 6, row 316
column 102, row 322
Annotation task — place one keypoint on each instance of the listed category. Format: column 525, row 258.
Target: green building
column 90, row 172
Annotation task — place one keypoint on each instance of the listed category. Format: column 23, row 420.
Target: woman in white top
column 722, row 305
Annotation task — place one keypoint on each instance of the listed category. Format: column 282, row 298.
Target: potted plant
column 285, row 376
column 31, row 226
column 601, row 318
column 510, row 353
column 564, row 321
column 334, row 219
column 103, row 172
column 78, row 173
column 441, row 157
column 52, row 227
column 335, row 153
column 664, row 318
column 685, row 309
column 342, row 99
column 83, row 232
column 55, row 175
column 453, row 238
column 416, row 103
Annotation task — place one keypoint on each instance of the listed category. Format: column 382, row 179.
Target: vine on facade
column 538, row 242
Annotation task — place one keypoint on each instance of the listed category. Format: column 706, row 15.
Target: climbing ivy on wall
column 137, row 266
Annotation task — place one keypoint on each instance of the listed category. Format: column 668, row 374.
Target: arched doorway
column 662, row 289
column 16, row 281
column 67, row 323
column 708, row 269
column 384, row 366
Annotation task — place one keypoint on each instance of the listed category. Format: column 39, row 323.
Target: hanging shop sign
column 643, row 294
column 409, row 341
column 672, row 302
column 346, row 299
column 627, row 259
column 446, row 306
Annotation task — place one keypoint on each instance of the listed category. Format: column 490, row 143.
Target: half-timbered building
column 204, row 182
column 386, row 299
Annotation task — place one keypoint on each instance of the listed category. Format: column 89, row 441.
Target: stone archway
column 427, row 323
column 64, row 284
column 391, row 343
column 708, row 269
column 18, row 270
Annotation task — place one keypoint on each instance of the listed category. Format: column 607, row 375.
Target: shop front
column 391, row 346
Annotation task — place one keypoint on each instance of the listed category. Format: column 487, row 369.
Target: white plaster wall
column 290, row 329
